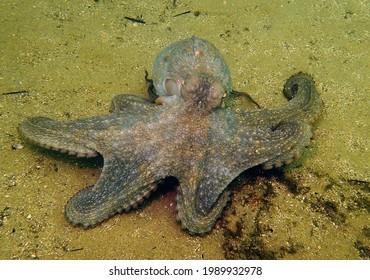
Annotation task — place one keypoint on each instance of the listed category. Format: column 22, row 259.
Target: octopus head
column 199, row 92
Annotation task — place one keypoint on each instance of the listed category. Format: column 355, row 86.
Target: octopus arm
column 56, row 135
column 273, row 145
column 304, row 103
column 84, row 137
column 120, row 187
column 190, row 212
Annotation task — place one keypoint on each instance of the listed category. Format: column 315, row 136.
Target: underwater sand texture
column 73, row 58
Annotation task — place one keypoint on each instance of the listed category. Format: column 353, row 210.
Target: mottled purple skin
column 195, row 135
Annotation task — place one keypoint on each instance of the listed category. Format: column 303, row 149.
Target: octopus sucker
column 191, row 126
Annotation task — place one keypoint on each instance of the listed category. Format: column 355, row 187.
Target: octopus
column 192, row 126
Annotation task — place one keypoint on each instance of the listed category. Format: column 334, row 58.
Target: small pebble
column 17, row 146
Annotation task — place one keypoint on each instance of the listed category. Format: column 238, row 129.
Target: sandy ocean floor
column 68, row 59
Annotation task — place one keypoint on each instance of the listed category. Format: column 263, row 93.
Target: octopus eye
column 224, row 95
column 171, row 87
